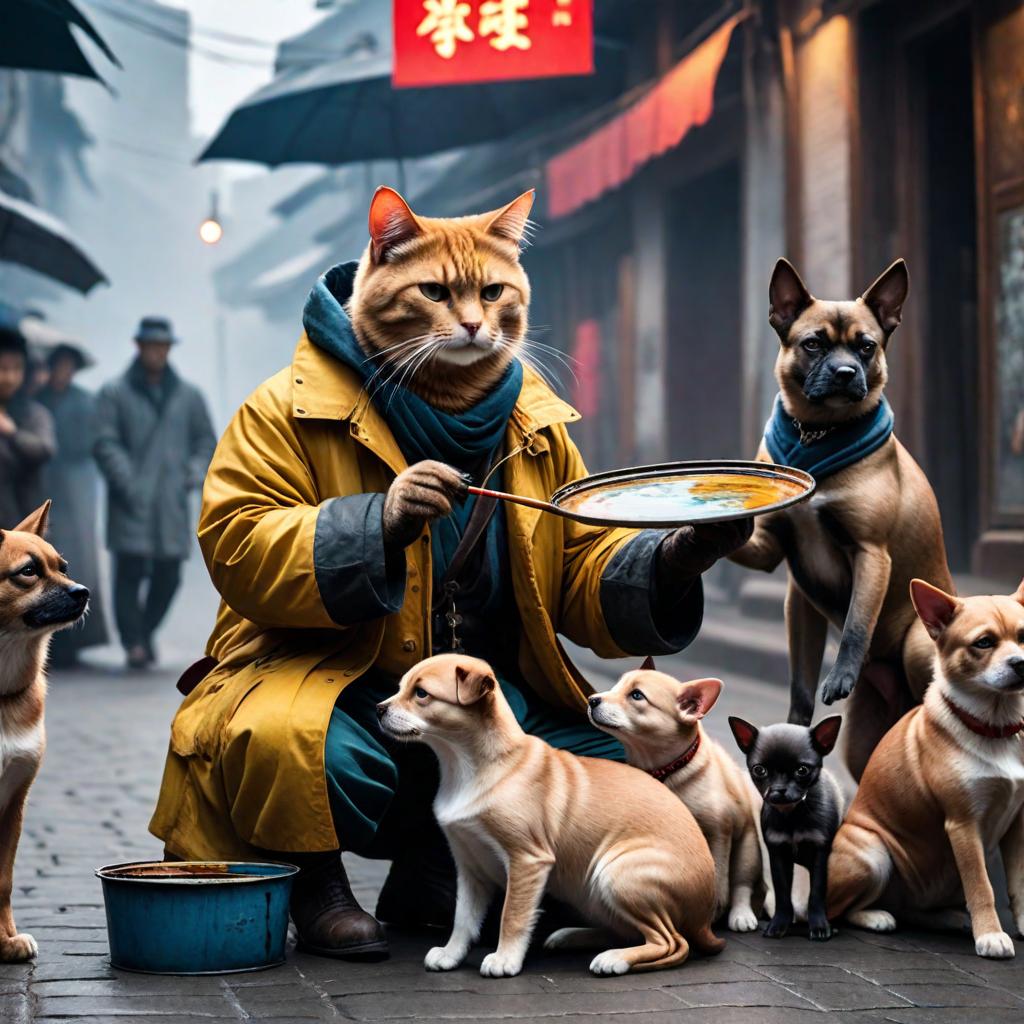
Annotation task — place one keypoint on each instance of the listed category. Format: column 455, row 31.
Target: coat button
column 415, row 588
column 409, row 645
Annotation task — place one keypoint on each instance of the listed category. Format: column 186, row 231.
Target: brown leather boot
column 327, row 917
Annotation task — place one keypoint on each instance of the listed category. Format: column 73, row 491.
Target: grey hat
column 155, row 328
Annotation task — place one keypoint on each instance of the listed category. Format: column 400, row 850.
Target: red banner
column 452, row 42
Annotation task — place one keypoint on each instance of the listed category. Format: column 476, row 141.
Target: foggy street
column 92, row 801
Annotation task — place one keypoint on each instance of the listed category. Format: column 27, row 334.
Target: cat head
column 440, row 304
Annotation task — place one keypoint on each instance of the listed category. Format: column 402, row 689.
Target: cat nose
column 471, row 328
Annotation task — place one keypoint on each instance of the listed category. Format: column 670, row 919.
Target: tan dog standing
column 870, row 527
column 601, row 836
column 36, row 599
column 946, row 785
column 658, row 720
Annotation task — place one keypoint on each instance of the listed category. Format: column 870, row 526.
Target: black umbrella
column 346, row 111
column 34, row 239
column 35, row 35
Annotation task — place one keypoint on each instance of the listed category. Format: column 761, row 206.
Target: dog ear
column 648, row 665
column 511, row 222
column 470, row 686
column 886, row 296
column 1018, row 594
column 825, row 734
column 935, row 607
column 36, row 522
column 788, row 296
column 697, row 698
column 745, row 733
column 391, row 222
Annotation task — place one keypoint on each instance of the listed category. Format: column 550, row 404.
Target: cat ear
column 471, row 685
column 648, row 665
column 825, row 734
column 935, row 607
column 695, row 699
column 745, row 733
column 788, row 296
column 36, row 522
column 510, row 223
column 391, row 222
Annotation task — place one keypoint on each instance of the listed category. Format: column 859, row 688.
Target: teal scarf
column 422, row 431
column 842, row 446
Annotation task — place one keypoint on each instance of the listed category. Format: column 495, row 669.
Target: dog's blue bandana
column 824, row 452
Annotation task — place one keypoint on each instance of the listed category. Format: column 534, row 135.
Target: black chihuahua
column 802, row 810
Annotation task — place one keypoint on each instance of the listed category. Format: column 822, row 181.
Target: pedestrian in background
column 153, row 444
column 71, row 480
column 27, row 438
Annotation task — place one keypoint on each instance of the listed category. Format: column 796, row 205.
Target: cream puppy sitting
column 657, row 719
column 517, row 813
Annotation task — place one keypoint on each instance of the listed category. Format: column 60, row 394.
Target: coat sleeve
column 611, row 602
column 35, row 440
column 202, row 441
column 111, row 455
column 278, row 553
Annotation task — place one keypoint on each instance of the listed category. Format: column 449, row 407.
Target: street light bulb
column 210, row 231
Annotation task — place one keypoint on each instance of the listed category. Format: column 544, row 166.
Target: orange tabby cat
column 441, row 304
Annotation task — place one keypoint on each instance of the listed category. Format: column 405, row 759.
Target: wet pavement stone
column 91, row 804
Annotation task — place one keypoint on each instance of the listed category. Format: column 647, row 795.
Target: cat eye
column 802, row 771
column 758, row 771
column 491, row 292
column 637, row 695
column 421, row 693
column 984, row 643
column 434, row 291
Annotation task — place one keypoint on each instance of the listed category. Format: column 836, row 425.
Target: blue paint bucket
column 196, row 917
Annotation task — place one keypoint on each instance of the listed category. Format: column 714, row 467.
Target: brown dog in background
column 36, row 599
column 603, row 837
column 658, row 720
column 869, row 528
column 945, row 787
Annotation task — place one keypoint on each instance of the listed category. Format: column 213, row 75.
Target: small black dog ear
column 825, row 734
column 788, row 296
column 648, row 665
column 745, row 733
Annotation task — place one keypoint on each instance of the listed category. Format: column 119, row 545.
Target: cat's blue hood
column 325, row 320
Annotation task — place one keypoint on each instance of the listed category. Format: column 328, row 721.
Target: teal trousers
column 381, row 791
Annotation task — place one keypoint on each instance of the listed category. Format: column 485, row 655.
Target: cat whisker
column 535, row 354
column 396, row 366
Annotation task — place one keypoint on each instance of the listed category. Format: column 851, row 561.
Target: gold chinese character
column 445, row 23
column 503, row 19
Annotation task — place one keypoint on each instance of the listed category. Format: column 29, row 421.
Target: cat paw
column 17, row 948
column 440, row 958
column 742, row 919
column 873, row 920
column 837, row 686
column 995, row 946
column 609, row 962
column 501, row 965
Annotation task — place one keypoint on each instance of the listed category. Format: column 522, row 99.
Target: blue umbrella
column 36, row 36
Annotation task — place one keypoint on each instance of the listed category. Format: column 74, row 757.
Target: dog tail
column 707, row 942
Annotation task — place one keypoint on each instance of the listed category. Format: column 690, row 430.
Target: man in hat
column 70, row 479
column 154, row 441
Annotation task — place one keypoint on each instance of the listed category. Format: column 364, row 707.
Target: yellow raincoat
column 246, row 761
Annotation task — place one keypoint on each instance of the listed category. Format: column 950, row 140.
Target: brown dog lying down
column 945, row 786
column 657, row 719
column 601, row 836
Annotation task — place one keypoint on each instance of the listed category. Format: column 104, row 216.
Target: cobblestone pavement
column 90, row 807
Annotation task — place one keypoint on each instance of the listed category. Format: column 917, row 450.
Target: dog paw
column 777, row 927
column 1020, row 926
column 609, row 962
column 873, row 920
column 440, row 959
column 18, row 948
column 742, row 919
column 837, row 686
column 500, row 965
column 995, row 946
column 819, row 931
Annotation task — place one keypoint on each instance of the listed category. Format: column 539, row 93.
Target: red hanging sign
column 452, row 42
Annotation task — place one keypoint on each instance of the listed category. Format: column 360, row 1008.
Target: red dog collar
column 976, row 725
column 662, row 773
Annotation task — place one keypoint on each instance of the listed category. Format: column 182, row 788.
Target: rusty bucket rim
column 107, row 872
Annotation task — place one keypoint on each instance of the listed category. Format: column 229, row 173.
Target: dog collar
column 976, row 725
column 662, row 773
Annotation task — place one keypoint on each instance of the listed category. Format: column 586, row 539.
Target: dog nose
column 1017, row 664
column 381, row 710
column 80, row 595
column 594, row 700
column 844, row 374
column 471, row 329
